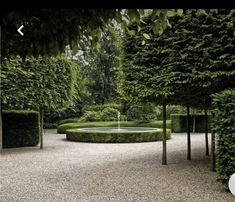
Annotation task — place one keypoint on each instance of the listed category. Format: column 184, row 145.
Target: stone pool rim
column 118, row 130
column 146, row 134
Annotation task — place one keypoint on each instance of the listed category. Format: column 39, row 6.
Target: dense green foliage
column 101, row 107
column 50, row 83
column 51, row 30
column 137, row 113
column 107, row 112
column 186, row 64
column 224, row 126
column 100, row 68
column 75, row 109
column 142, row 113
column 155, row 124
column 178, row 123
column 20, row 128
column 121, row 137
column 53, row 116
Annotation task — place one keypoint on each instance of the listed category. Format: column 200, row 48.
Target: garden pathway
column 85, row 172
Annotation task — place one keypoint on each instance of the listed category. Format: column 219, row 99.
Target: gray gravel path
column 72, row 171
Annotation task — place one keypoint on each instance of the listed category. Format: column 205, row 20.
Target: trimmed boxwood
column 121, row 137
column 155, row 124
column 224, row 125
column 178, row 123
column 20, row 128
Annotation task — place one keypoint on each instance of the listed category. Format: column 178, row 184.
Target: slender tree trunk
column 206, row 132
column 1, row 134
column 194, row 123
column 41, row 127
column 164, row 155
column 188, row 134
column 213, row 157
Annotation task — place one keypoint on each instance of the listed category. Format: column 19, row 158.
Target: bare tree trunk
column 213, row 157
column 1, row 134
column 194, row 123
column 188, row 134
column 41, row 127
column 206, row 132
column 164, row 155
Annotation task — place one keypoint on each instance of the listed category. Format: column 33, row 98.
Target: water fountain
column 119, row 115
column 115, row 134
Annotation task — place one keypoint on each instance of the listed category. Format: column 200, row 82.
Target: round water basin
column 115, row 135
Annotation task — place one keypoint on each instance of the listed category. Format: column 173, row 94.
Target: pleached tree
column 38, row 84
column 186, row 64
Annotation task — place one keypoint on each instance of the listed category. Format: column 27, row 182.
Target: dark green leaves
column 187, row 62
column 224, row 125
column 55, row 29
column 33, row 83
column 134, row 15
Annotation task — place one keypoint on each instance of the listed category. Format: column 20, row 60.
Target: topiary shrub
column 223, row 105
column 20, row 128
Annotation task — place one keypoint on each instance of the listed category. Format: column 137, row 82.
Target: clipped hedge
column 20, row 128
column 224, row 125
column 155, row 124
column 178, row 123
column 111, row 137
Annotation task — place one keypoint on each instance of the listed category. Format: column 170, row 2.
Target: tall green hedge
column 224, row 125
column 20, row 128
column 178, row 123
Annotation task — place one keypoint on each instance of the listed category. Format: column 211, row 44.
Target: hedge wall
column 224, row 125
column 178, row 123
column 20, row 128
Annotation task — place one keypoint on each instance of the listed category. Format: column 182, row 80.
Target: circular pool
column 115, row 135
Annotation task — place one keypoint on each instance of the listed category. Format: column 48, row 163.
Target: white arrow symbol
column 19, row 30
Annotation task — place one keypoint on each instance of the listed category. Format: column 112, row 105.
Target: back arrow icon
column 19, row 30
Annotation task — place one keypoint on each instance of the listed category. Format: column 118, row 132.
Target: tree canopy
column 49, row 31
column 100, row 68
column 186, row 64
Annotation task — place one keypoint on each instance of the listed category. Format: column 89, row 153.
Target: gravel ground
column 72, row 171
